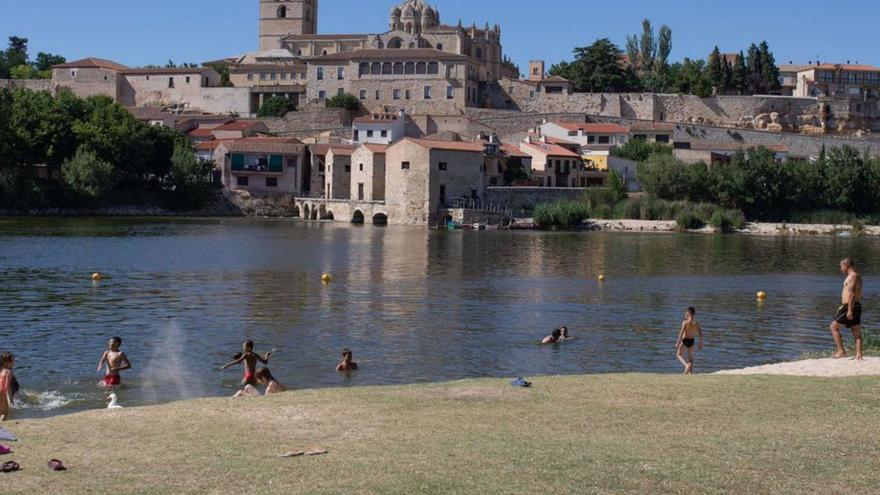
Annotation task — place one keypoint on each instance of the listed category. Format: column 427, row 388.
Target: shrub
column 346, row 101
column 726, row 220
column 687, row 220
column 276, row 106
column 639, row 150
column 190, row 178
column 564, row 214
column 88, row 176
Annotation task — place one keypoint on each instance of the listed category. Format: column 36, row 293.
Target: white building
column 379, row 128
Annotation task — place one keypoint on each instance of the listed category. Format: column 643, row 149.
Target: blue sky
column 201, row 30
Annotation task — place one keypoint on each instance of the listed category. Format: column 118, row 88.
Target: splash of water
column 168, row 374
column 49, row 400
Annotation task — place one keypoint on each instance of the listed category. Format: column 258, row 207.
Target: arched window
column 398, row 67
column 421, row 68
column 409, row 68
column 433, row 68
column 387, row 68
column 376, row 68
column 323, row 52
column 282, row 12
column 395, row 43
column 480, row 53
column 381, row 45
column 408, row 28
column 440, row 46
column 364, row 69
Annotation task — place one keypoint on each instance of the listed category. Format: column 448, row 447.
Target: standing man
column 849, row 314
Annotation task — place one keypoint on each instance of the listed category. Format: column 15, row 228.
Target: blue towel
column 6, row 436
column 519, row 382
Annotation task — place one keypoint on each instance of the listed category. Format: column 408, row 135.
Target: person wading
column 849, row 314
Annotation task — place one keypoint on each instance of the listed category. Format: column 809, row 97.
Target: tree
column 346, row 101
column 190, row 179
column 739, row 74
column 769, row 70
column 715, row 70
column 23, row 72
column 597, row 68
column 45, row 61
column 664, row 48
column 754, row 70
column 618, row 187
column 223, row 70
column 563, row 69
column 17, row 54
column 639, row 150
column 88, row 176
column 647, row 48
column 276, row 106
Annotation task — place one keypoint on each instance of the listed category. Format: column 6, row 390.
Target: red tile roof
column 343, row 149
column 553, row 140
column 91, row 63
column 213, row 144
column 375, row 148
column 166, row 70
column 266, row 145
column 589, row 128
column 850, row 67
column 320, row 149
column 238, row 125
column 447, row 145
column 201, row 132
column 551, row 149
column 511, row 150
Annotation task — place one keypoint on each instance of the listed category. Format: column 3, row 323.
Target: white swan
column 113, row 404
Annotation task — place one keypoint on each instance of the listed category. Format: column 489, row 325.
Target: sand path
column 815, row 367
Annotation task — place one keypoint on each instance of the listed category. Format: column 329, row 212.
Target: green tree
column 17, row 53
column 664, row 48
column 88, row 176
column 23, row 72
column 769, row 70
column 754, row 70
column 739, row 75
column 640, row 150
column 346, row 101
column 617, row 184
column 598, row 68
column 223, row 70
column 44, row 63
column 276, row 106
column 715, row 70
column 190, row 179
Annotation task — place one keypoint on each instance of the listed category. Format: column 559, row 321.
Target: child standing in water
column 249, row 358
column 115, row 361
column 8, row 384
column 347, row 364
column 687, row 336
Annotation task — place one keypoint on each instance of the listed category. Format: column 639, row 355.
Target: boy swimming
column 115, row 361
column 687, row 336
column 554, row 337
column 347, row 364
column 249, row 358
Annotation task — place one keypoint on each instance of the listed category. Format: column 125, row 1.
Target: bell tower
column 281, row 18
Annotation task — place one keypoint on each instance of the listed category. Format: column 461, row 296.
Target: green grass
column 567, row 435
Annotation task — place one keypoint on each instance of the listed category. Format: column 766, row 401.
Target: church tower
column 281, row 18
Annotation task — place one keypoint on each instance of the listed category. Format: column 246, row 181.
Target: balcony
column 256, row 164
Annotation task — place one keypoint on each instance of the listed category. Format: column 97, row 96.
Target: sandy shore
column 815, row 367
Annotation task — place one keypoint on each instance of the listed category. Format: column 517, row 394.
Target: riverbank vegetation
column 67, row 152
column 584, row 434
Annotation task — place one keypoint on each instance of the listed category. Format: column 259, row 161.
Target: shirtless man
column 849, row 314
column 115, row 361
column 687, row 337
column 250, row 359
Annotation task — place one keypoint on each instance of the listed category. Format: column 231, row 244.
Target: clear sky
column 202, row 30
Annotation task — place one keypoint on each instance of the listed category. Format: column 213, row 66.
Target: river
column 414, row 305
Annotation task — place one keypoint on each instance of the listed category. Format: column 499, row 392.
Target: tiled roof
column 850, row 67
column 166, row 70
column 149, row 113
column 447, row 145
column 91, row 63
column 213, row 144
column 343, row 149
column 320, row 149
column 375, row 148
column 392, row 54
column 266, row 145
column 551, row 149
column 652, row 126
column 511, row 150
column 555, row 79
column 593, row 128
column 201, row 132
column 239, row 125
column 553, row 140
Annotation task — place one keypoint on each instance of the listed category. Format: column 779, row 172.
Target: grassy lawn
column 588, row 434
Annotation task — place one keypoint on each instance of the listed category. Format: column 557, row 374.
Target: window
column 360, row 192
column 409, row 68
column 662, row 138
column 340, row 92
column 404, row 165
column 73, row 74
column 440, row 46
column 363, row 69
column 250, row 77
column 348, row 169
column 398, row 68
column 271, row 181
column 361, row 167
column 320, row 73
column 421, row 68
column 170, row 82
column 187, row 79
column 384, row 133
column 442, row 194
column 396, row 94
column 340, row 73
column 450, row 92
column 591, row 139
column 480, row 53
column 604, row 139
column 406, row 94
column 443, row 166
column 363, row 94
column 387, row 68
column 322, row 95
column 357, row 135
column 427, row 92
column 292, row 162
column 378, row 94
column 375, row 68
column 433, row 68
column 241, row 181
column 273, row 76
column 369, row 134
column 284, row 76
column 282, row 12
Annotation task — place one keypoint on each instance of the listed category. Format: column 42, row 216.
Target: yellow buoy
column 326, row 278
column 97, row 276
column 601, row 278
column 762, row 295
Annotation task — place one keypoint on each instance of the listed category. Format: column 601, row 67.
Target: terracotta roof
column 551, row 149
column 343, row 149
column 167, row 70
column 553, row 140
column 392, row 54
column 319, row 149
column 593, row 128
column 447, row 145
column 239, row 125
column 555, row 79
column 213, row 144
column 375, row 148
column 652, row 126
column 201, row 132
column 266, row 145
column 511, row 150
column 794, row 67
column 91, row 63
column 149, row 113
column 724, row 147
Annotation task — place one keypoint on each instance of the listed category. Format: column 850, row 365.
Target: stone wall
column 308, row 123
column 31, row 84
column 525, row 198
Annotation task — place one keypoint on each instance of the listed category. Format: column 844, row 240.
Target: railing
column 479, row 204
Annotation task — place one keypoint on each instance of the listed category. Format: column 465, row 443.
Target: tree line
column 15, row 63
column 95, row 154
column 644, row 66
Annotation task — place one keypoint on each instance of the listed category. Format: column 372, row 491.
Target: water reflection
column 415, row 305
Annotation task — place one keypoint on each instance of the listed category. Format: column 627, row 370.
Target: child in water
column 8, row 384
column 249, row 358
column 690, row 331
column 263, row 377
column 553, row 338
column 347, row 364
column 115, row 361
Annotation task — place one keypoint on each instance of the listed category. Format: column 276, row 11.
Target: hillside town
column 426, row 122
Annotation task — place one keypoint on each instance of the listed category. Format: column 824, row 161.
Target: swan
column 113, row 404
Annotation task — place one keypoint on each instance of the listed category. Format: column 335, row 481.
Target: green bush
column 564, row 214
column 726, row 220
column 88, row 176
column 276, row 106
column 687, row 220
column 346, row 101
column 639, row 150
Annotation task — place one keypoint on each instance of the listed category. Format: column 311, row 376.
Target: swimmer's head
column 114, row 344
column 691, row 312
column 248, row 346
column 7, row 360
column 847, row 264
column 263, row 376
column 564, row 332
column 346, row 355
column 556, row 333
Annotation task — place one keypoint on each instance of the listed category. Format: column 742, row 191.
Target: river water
column 414, row 305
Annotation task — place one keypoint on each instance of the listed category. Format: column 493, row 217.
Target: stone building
column 553, row 165
column 379, row 128
column 283, row 18
column 337, row 176
column 861, row 82
column 368, row 173
column 270, row 73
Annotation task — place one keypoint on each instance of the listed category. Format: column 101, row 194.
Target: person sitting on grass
column 553, row 338
column 262, row 377
column 8, row 385
column 347, row 364
column 690, row 331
